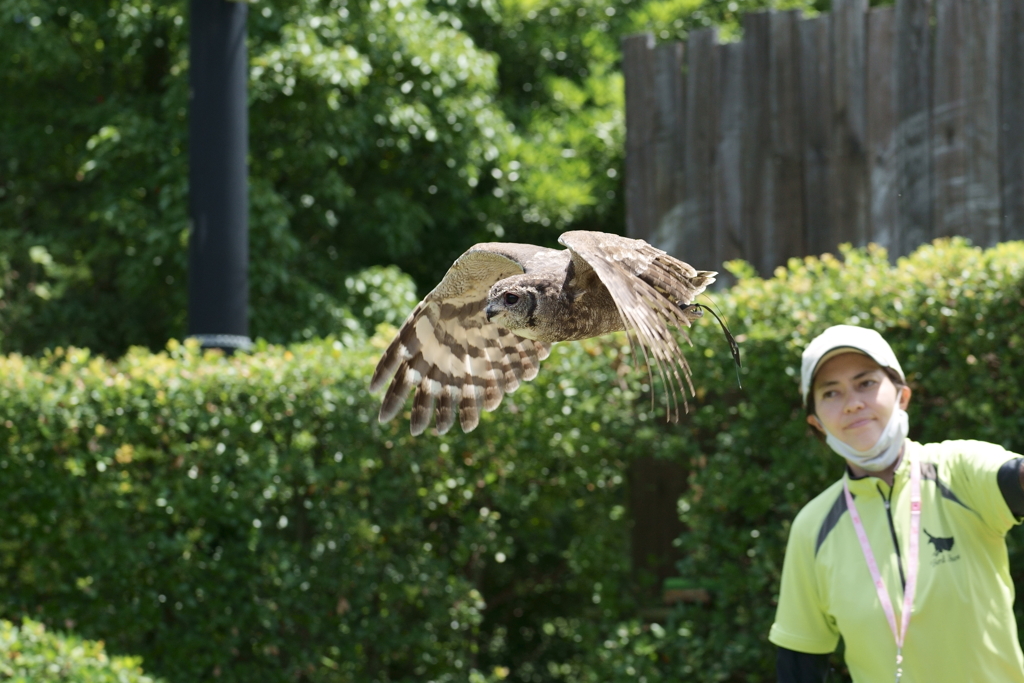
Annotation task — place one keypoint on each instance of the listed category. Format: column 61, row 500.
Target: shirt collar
column 871, row 486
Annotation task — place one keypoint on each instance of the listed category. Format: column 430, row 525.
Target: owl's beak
column 490, row 311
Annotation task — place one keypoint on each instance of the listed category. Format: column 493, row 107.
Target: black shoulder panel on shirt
column 929, row 472
column 831, row 519
column 1009, row 485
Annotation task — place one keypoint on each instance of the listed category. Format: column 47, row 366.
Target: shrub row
column 247, row 518
column 32, row 654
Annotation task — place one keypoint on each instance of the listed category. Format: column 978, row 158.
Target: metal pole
column 218, row 280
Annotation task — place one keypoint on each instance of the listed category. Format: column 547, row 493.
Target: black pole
column 218, row 280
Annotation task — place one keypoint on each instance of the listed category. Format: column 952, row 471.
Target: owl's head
column 512, row 303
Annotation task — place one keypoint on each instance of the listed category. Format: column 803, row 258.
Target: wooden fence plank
column 887, row 125
column 1011, row 118
column 881, row 126
column 982, row 114
column 730, row 234
column 638, row 69
column 815, row 114
column 786, row 137
column 697, row 246
column 758, row 212
column 949, row 127
column 848, row 169
column 913, row 75
column 670, row 125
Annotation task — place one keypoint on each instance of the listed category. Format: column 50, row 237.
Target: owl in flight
column 493, row 317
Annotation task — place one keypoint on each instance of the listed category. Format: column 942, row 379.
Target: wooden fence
column 893, row 125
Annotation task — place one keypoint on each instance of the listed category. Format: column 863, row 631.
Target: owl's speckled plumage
column 493, row 317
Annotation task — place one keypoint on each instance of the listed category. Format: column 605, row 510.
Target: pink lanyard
column 876, row 576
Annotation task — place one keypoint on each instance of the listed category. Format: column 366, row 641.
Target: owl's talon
column 733, row 346
column 692, row 311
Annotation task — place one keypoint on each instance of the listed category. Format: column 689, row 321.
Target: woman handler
column 911, row 529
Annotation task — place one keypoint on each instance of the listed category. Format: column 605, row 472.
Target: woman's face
column 854, row 399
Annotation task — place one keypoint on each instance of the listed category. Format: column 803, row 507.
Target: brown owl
column 493, row 317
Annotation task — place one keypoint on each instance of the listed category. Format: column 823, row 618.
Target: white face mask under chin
column 886, row 449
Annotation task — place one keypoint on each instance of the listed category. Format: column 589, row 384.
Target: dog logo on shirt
column 940, row 544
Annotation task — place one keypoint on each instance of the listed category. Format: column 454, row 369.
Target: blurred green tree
column 381, row 132
column 371, row 126
column 30, row 652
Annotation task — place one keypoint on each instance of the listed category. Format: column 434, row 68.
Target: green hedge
column 31, row 654
column 247, row 519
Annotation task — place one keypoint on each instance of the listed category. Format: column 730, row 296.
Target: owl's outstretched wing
column 652, row 292
column 450, row 354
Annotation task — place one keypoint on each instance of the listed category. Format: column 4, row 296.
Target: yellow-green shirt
column 962, row 628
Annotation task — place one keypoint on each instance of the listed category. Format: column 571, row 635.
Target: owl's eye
column 511, row 299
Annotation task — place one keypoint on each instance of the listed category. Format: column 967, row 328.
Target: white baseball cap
column 845, row 339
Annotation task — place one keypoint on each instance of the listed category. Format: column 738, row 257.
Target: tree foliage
column 371, row 126
column 382, row 132
column 29, row 653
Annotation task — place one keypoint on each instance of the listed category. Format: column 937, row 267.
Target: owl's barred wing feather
column 450, row 355
column 651, row 290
